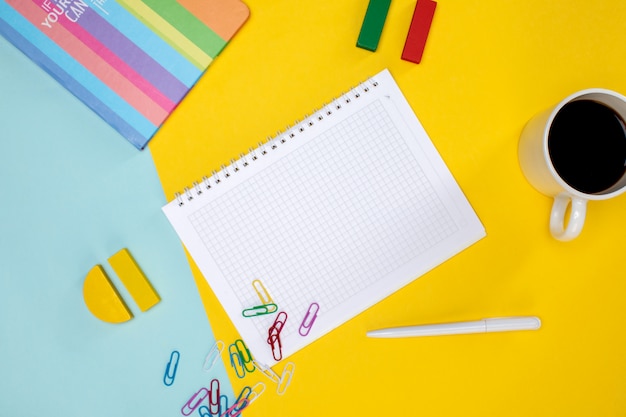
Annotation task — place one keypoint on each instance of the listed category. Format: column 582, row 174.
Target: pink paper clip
column 214, row 397
column 194, row 402
column 236, row 409
column 309, row 319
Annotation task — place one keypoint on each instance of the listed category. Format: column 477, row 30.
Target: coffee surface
column 587, row 145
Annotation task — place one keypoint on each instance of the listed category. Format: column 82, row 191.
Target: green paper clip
column 260, row 310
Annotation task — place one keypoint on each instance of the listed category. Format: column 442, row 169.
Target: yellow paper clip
column 213, row 356
column 267, row 371
column 170, row 368
column 285, row 378
column 262, row 292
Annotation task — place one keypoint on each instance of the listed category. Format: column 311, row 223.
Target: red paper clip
column 214, row 397
column 277, row 327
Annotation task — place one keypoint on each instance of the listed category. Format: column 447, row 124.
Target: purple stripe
column 134, row 56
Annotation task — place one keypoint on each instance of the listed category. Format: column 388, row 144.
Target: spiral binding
column 272, row 143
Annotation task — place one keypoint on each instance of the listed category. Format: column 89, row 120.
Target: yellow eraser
column 102, row 298
column 134, row 280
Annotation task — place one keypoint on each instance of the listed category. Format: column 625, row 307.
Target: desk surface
column 487, row 68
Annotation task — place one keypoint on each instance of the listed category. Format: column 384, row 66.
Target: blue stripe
column 150, row 42
column 67, row 71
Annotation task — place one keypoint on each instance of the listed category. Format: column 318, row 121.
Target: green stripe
column 187, row 24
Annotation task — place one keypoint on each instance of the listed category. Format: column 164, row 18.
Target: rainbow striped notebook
column 130, row 61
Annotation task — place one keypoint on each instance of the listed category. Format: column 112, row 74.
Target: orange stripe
column 224, row 17
column 91, row 61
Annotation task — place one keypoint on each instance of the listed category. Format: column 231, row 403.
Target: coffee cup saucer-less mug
column 538, row 164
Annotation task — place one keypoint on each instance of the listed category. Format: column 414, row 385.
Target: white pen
column 505, row 324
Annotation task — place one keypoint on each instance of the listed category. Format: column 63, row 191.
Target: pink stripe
column 92, row 62
column 115, row 62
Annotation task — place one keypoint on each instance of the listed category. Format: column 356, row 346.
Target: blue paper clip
column 236, row 409
column 223, row 405
column 243, row 395
column 246, row 357
column 236, row 361
column 309, row 319
column 213, row 356
column 214, row 397
column 194, row 402
column 170, row 368
column 262, row 292
column 203, row 410
column 260, row 310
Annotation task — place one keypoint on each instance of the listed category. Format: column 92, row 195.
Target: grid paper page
column 347, row 213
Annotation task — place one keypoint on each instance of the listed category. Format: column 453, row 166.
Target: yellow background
column 489, row 65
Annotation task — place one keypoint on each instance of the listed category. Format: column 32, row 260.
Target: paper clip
column 309, row 319
column 194, row 402
column 223, row 405
column 260, row 310
column 285, row 378
column 214, row 397
column 277, row 347
column 257, row 390
column 246, row 357
column 262, row 292
column 267, row 371
column 203, row 410
column 236, row 409
column 213, row 356
column 170, row 368
column 236, row 361
column 277, row 327
column 244, row 394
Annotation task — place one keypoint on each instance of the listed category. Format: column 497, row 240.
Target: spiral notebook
column 325, row 219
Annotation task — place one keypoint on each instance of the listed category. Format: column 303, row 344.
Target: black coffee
column 587, row 145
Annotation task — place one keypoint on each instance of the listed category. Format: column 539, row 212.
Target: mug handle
column 576, row 217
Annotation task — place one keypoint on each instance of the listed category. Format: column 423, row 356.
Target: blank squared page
column 342, row 210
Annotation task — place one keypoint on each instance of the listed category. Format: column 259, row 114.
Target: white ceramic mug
column 538, row 166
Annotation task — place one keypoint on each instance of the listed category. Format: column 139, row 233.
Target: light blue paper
column 71, row 195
